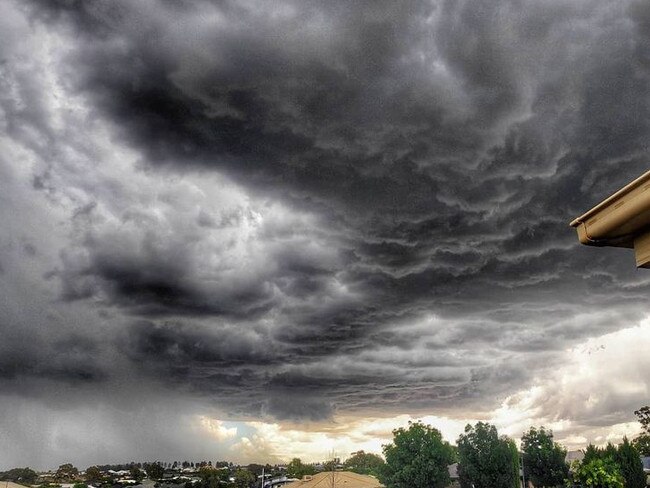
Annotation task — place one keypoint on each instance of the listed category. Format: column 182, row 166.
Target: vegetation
column 364, row 463
column 598, row 473
column 67, row 473
column 642, row 441
column 20, row 475
column 213, row 478
column 243, row 478
column 296, row 469
column 154, row 470
column 544, row 459
column 487, row 460
column 628, row 460
column 625, row 458
column 418, row 457
column 93, row 474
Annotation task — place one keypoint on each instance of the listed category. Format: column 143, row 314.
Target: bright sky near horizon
column 261, row 230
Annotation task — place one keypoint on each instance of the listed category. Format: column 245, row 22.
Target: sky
column 252, row 230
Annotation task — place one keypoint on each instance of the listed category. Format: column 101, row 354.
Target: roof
column 620, row 193
column 336, row 479
column 10, row 484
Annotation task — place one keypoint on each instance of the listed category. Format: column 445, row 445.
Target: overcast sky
column 251, row 230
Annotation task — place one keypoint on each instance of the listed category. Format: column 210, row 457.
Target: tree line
column 418, row 457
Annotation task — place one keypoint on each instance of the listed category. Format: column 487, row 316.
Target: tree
column 643, row 414
column 154, row 470
column 66, row 472
column 598, row 473
column 295, row 469
column 642, row 444
column 364, row 463
column 592, row 453
column 418, row 457
column 487, row 460
column 244, row 478
column 20, row 475
column 93, row 474
column 628, row 460
column 543, row 459
column 642, row 441
column 136, row 473
column 212, row 478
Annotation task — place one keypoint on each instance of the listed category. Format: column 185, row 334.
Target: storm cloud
column 299, row 210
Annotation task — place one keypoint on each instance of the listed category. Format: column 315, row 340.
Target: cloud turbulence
column 297, row 211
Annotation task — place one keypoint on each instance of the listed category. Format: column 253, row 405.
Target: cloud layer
column 297, row 212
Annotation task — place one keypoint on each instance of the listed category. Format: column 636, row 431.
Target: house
column 336, row 479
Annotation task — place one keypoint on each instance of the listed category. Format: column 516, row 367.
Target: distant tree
column 296, row 469
column 364, row 463
column 66, row 472
column 213, row 478
column 642, row 441
column 544, row 459
column 631, row 467
column 244, row 478
column 93, row 474
column 487, row 460
column 643, row 414
column 175, row 465
column 642, row 444
column 598, row 473
column 154, row 471
column 20, row 475
column 418, row 457
column 256, row 469
column 592, row 453
column 136, row 473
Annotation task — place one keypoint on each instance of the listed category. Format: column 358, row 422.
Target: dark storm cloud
column 426, row 161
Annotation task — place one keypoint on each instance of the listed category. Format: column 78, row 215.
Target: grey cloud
column 310, row 183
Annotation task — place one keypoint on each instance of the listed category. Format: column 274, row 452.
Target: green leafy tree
column 629, row 462
column 296, row 469
column 364, row 463
column 487, row 460
column 244, row 478
column 543, row 458
column 93, row 474
column 418, row 457
column 598, row 473
column 592, row 453
column 66, row 472
column 80, row 485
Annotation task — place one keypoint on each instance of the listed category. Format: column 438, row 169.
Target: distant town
column 417, row 457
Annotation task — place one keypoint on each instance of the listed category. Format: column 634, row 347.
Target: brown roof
column 336, row 479
column 10, row 484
